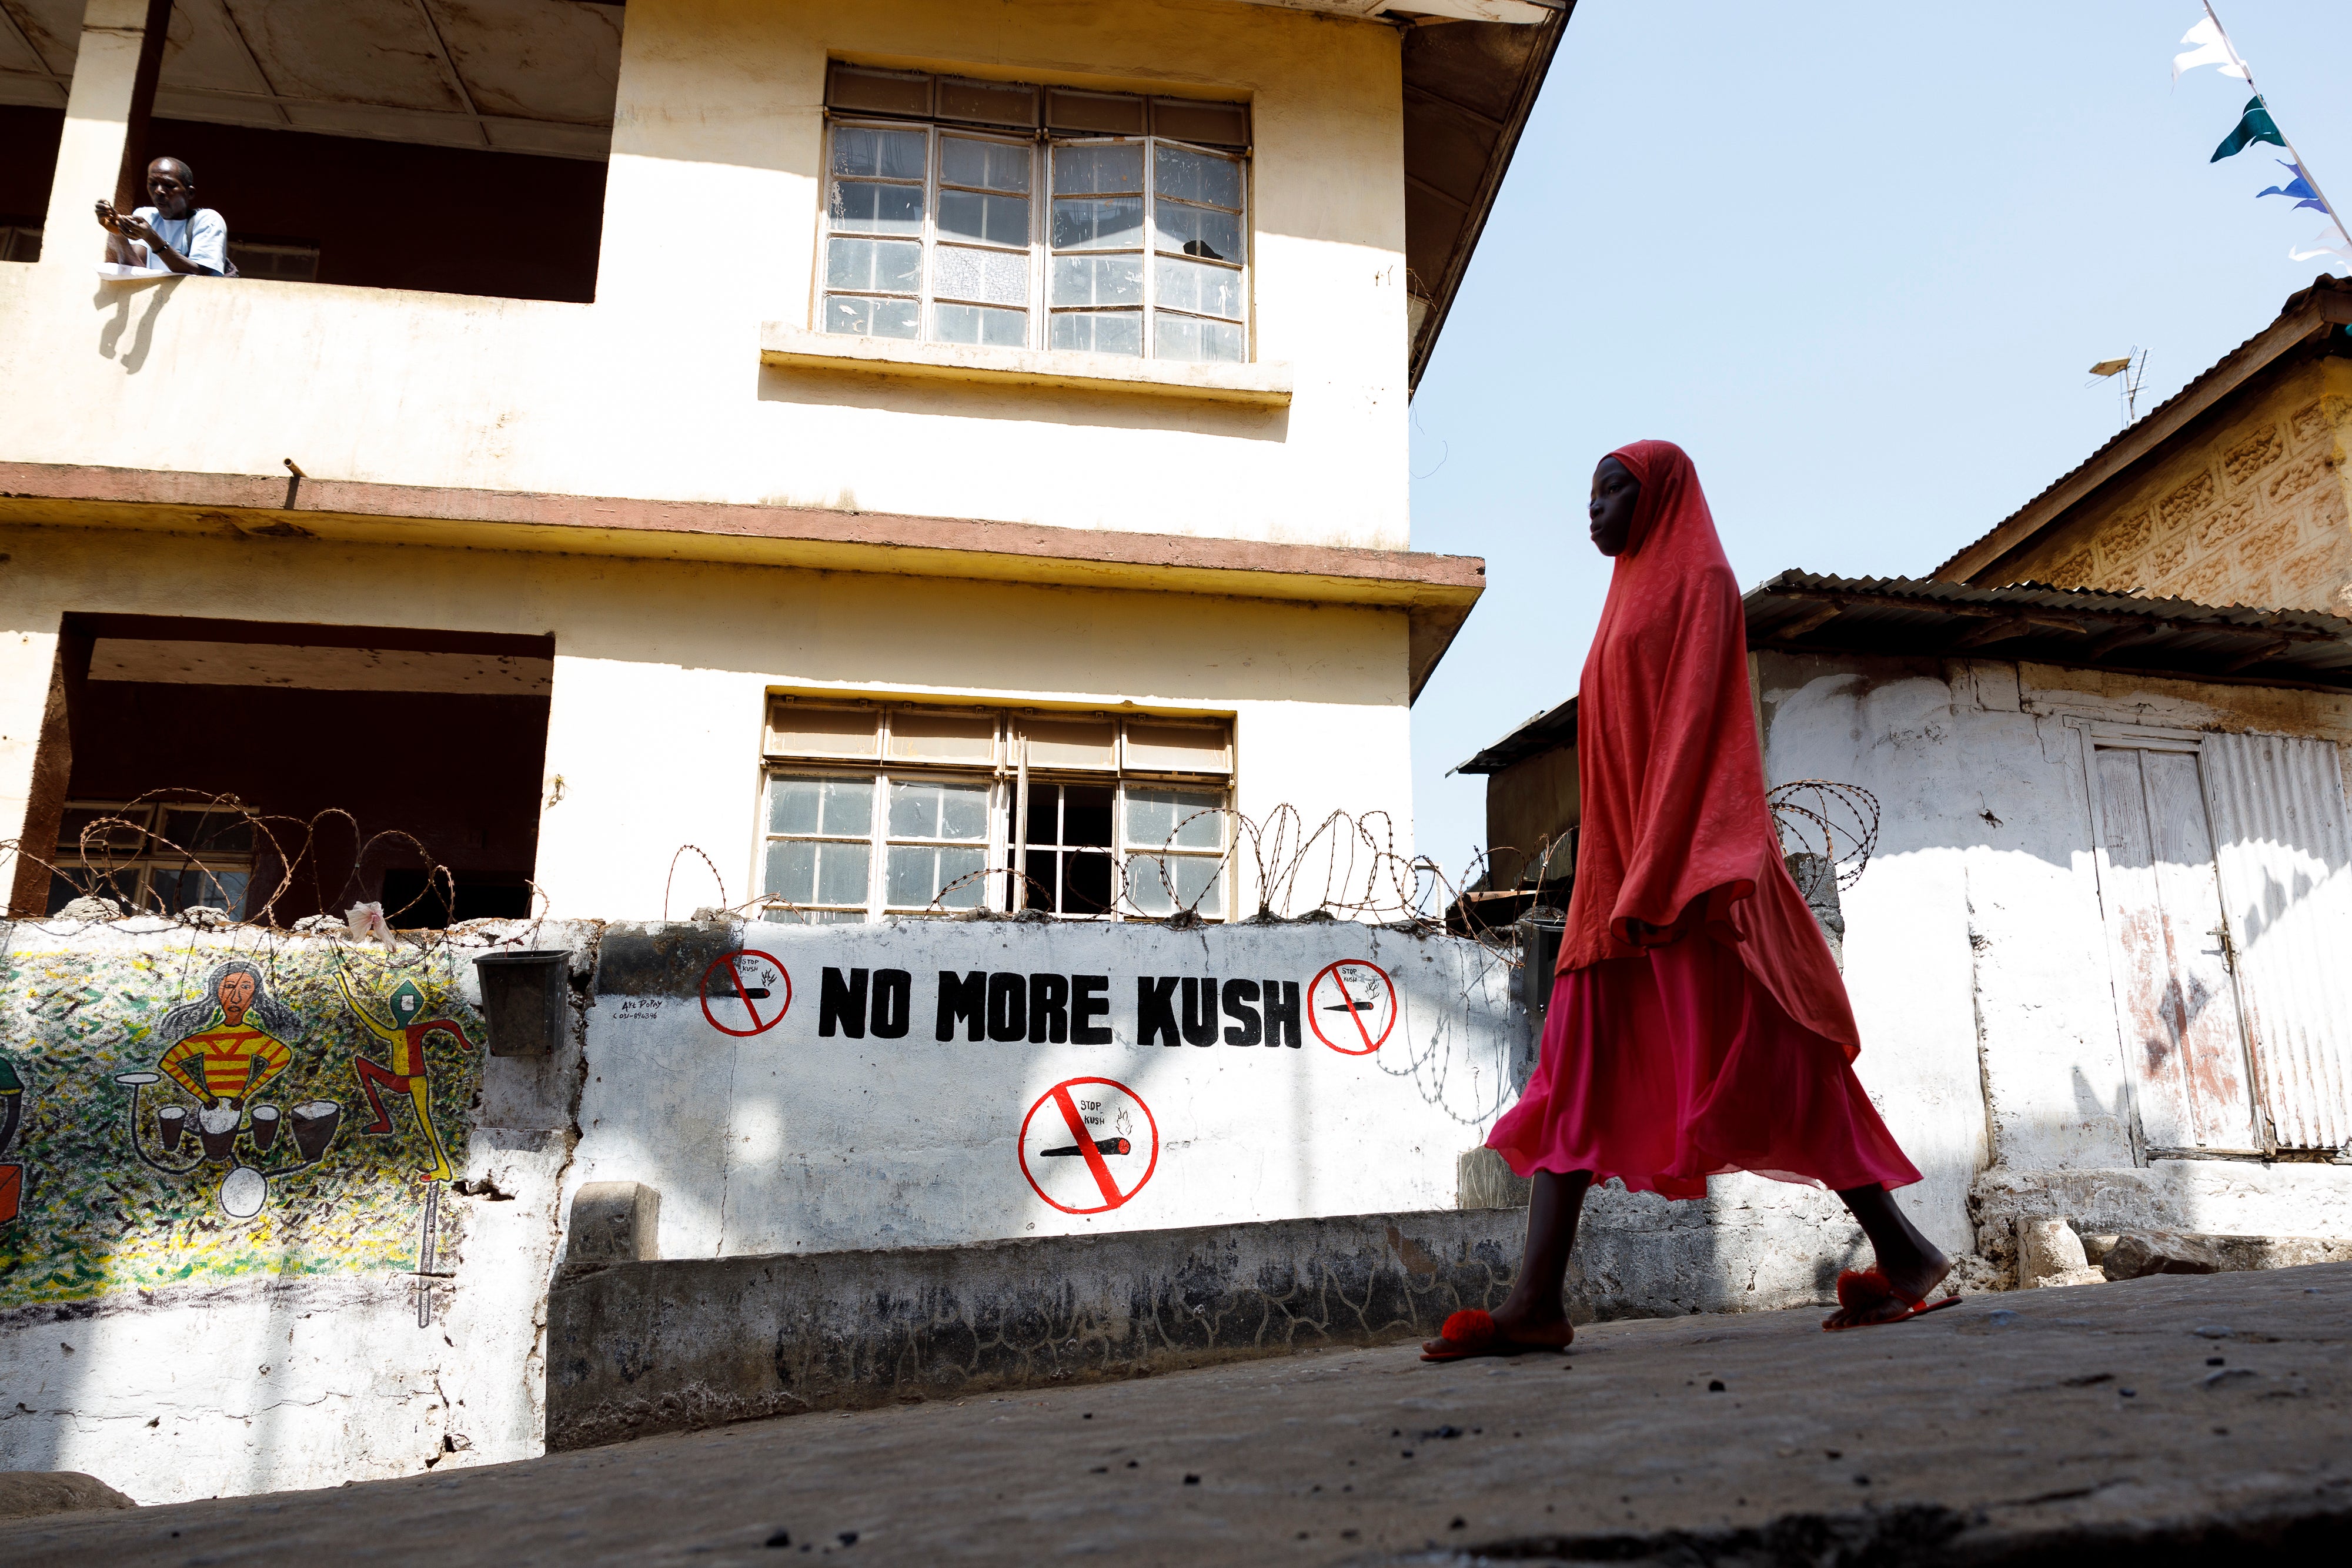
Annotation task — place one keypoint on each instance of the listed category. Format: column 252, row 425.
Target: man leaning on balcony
column 175, row 234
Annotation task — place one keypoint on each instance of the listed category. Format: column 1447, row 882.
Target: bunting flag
column 2327, row 241
column 2299, row 186
column 2214, row 50
column 2254, row 125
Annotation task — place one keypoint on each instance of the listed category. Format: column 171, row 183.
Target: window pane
column 848, row 807
column 1098, row 280
column 176, row 891
column 1162, row 884
column 997, row 220
column 993, row 165
column 918, row 875
column 1195, row 176
column 893, row 154
column 1196, row 231
column 792, row 805
column 1192, row 341
column 120, row 830
column 976, row 324
column 1044, row 817
column 1194, row 818
column 1117, row 166
column 877, row 209
column 1100, row 332
column 74, row 880
column 792, row 871
column 209, row 833
column 895, row 266
column 994, row 277
column 935, row 810
column 841, row 873
column 1116, row 223
column 1200, row 287
column 1086, row 883
column 1086, row 814
column 871, row 318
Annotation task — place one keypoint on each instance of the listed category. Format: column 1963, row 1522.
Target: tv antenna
column 2128, row 374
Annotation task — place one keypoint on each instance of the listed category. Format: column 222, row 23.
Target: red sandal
column 1865, row 1287
column 1471, row 1332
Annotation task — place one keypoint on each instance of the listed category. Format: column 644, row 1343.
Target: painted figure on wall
column 230, row 1042
column 11, row 1106
column 409, row 1072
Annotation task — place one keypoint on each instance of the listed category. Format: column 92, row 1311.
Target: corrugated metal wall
column 2284, row 851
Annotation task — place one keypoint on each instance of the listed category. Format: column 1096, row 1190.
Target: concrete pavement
column 2167, row 1414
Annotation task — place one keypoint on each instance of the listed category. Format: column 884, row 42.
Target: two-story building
column 827, row 459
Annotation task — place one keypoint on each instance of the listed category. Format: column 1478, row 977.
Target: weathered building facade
column 830, row 467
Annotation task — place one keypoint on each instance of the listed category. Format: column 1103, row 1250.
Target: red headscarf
column 1670, row 769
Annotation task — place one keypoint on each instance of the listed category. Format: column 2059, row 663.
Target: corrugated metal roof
column 2084, row 628
column 1552, row 727
column 2215, row 381
column 2081, row 627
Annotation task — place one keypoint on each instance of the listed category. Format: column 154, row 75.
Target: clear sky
column 1856, row 259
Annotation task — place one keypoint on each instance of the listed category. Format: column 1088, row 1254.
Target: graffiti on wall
column 196, row 1114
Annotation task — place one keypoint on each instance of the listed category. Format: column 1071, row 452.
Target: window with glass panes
column 910, row 808
column 1023, row 216
column 158, row 857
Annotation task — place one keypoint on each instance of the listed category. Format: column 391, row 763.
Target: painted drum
column 315, row 1122
column 242, row 1192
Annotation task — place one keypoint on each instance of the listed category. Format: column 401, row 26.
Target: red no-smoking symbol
column 1092, row 1148
column 1360, row 992
column 746, row 993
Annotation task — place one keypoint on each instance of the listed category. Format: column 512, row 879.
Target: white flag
column 2214, row 50
column 2327, row 242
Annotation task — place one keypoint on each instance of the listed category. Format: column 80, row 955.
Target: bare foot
column 1910, row 1280
column 1516, row 1328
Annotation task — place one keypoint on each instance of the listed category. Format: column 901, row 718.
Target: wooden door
column 2169, row 948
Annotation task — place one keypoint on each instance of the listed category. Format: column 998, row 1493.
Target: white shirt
column 201, row 236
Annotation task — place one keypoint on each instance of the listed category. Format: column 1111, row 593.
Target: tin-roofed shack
column 2090, row 952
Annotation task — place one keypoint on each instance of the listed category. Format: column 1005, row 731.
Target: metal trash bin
column 523, row 1000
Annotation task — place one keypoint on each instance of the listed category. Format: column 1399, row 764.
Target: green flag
column 2254, row 126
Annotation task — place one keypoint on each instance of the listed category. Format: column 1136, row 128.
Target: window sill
column 1268, row 385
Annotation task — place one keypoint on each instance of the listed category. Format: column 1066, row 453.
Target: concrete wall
column 1975, row 951
column 805, row 1139
column 189, row 1326
column 662, row 672
column 709, row 229
column 2247, row 508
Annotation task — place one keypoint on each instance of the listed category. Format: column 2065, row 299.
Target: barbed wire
column 1842, row 818
column 123, row 842
column 1214, row 859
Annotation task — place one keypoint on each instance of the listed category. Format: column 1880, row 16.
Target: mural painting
column 12, row 1109
column 209, row 1115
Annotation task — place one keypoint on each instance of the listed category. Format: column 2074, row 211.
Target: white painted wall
column 789, row 1142
column 1975, row 951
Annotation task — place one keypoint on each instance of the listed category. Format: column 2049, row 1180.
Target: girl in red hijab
column 1698, row 1024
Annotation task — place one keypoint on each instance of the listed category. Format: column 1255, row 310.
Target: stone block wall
column 2252, row 510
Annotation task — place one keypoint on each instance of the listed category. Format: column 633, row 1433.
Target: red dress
column 1721, row 1039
